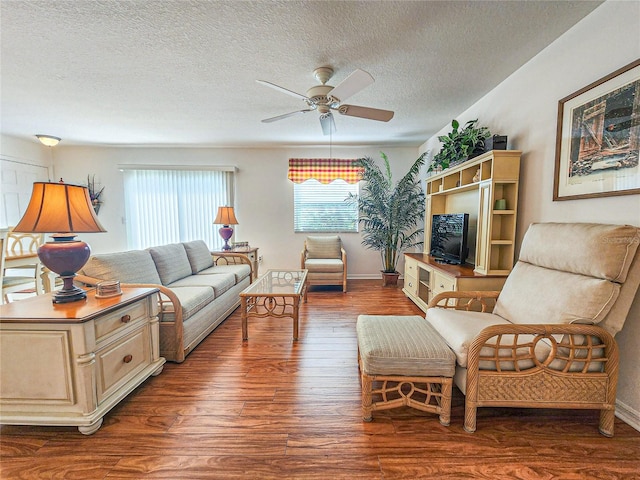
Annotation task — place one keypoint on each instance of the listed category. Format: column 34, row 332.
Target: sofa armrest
column 233, row 259
column 176, row 306
column 479, row 301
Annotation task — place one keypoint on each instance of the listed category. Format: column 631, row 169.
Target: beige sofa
column 198, row 290
column 546, row 340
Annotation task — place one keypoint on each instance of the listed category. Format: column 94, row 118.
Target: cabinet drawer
column 410, row 267
column 120, row 318
column 443, row 283
column 411, row 285
column 118, row 362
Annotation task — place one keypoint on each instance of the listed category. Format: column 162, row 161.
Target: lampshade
column 225, row 216
column 48, row 140
column 64, row 209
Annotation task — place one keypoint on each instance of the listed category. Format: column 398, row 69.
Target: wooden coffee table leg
column 243, row 305
column 296, row 311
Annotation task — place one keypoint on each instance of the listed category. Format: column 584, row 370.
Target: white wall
column 264, row 195
column 524, row 107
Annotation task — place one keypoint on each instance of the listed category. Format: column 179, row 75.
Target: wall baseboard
column 628, row 415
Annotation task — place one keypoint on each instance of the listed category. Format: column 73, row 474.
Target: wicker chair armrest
column 482, row 301
column 87, row 280
column 574, row 348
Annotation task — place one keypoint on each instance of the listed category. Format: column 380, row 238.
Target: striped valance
column 324, row 170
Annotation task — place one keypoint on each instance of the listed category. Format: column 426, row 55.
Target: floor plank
column 272, row 408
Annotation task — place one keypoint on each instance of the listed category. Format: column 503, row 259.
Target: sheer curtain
column 169, row 206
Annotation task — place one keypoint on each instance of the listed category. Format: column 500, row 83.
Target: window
column 321, row 186
column 170, row 206
column 322, row 208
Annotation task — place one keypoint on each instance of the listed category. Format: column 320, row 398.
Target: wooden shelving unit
column 472, row 187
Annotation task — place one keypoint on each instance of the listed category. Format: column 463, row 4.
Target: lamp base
column 69, row 292
column 65, row 256
column 226, row 232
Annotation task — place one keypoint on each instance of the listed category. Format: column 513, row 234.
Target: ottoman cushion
column 402, row 345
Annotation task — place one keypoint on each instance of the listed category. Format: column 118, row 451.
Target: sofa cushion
column 199, row 255
column 324, row 265
column 171, row 262
column 134, row 266
column 240, row 271
column 535, row 294
column 594, row 250
column 324, row 246
column 219, row 283
column 459, row 328
column 192, row 299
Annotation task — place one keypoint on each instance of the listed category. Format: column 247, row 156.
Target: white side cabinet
column 70, row 363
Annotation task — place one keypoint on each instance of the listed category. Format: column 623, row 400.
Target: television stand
column 425, row 277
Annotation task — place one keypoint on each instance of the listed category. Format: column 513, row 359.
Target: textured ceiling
column 183, row 72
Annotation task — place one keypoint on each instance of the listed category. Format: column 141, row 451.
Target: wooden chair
column 326, row 261
column 20, row 267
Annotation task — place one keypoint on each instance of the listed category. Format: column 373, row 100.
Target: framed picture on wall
column 598, row 138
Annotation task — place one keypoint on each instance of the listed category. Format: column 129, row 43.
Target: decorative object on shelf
column 495, row 142
column 48, row 140
column 597, row 138
column 459, row 145
column 501, row 204
column 94, row 193
column 64, row 208
column 476, row 177
column 390, row 214
column 225, row 217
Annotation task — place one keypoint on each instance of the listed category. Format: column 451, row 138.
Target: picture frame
column 598, row 138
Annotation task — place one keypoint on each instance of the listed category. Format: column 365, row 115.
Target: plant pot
column 390, row 279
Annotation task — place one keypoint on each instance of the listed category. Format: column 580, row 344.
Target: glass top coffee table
column 278, row 294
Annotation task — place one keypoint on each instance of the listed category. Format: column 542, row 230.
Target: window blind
column 169, row 206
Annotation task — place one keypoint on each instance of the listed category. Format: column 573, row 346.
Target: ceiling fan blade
column 327, row 123
column 286, row 115
column 355, row 82
column 366, row 112
column 281, row 89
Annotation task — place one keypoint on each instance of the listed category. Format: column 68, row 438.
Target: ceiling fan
column 325, row 98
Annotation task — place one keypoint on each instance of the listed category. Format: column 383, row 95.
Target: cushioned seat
column 325, row 260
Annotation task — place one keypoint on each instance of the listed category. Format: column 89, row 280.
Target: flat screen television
column 449, row 237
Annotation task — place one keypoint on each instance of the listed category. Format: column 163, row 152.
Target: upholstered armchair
column 546, row 340
column 326, row 261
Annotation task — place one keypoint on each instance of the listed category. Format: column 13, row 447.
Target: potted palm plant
column 390, row 214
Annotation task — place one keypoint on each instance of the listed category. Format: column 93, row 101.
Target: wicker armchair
column 325, row 260
column 546, row 340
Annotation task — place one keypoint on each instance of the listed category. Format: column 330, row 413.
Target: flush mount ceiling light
column 48, row 140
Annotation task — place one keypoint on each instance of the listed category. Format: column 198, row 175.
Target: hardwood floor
column 272, row 408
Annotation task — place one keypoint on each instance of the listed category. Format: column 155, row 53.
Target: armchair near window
column 326, row 261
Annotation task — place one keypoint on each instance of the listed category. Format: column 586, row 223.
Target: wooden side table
column 70, row 363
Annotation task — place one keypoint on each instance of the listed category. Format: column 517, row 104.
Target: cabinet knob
column 125, row 318
column 127, row 358
column 410, row 284
column 441, row 285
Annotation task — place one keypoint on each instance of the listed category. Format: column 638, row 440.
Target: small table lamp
column 61, row 207
column 225, row 218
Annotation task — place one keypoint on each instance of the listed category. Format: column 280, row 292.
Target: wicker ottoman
column 404, row 361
